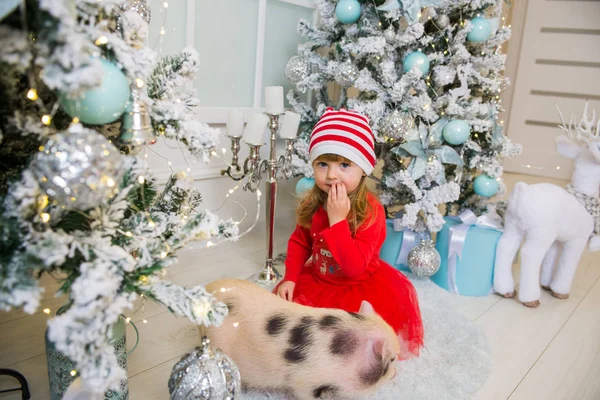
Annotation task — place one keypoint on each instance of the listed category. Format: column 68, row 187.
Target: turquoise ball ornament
column 103, row 104
column 456, row 132
column 347, row 11
column 485, row 186
column 416, row 58
column 304, row 185
column 481, row 30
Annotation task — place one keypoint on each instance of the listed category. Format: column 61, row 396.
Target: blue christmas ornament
column 416, row 58
column 304, row 185
column 481, row 30
column 8, row 6
column 456, row 132
column 104, row 104
column 485, row 186
column 347, row 11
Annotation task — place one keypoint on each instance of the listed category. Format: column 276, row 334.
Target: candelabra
column 254, row 167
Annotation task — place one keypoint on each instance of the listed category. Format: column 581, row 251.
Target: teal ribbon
column 409, row 240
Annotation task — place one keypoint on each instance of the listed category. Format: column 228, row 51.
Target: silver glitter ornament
column 79, row 168
column 442, row 21
column 346, row 74
column 389, row 34
column 139, row 6
column 205, row 374
column 396, row 125
column 296, row 69
column 424, row 259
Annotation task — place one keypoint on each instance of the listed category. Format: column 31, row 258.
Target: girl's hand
column 338, row 204
column 286, row 290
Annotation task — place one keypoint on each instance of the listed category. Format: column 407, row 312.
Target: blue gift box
column 474, row 271
column 390, row 250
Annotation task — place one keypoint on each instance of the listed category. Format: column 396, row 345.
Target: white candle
column 289, row 127
column 235, row 123
column 274, row 100
column 255, row 129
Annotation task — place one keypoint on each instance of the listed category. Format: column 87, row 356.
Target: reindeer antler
column 585, row 130
column 586, row 125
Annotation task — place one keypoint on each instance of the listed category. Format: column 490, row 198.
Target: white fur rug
column 453, row 364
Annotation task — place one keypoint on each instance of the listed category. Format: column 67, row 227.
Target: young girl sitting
column 342, row 226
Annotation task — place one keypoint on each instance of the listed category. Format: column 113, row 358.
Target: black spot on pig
column 343, row 343
column 325, row 391
column 275, row 324
column 300, row 339
column 294, row 355
column 329, row 321
column 301, row 335
column 374, row 373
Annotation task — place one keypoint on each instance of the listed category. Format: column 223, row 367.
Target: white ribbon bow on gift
column 409, row 240
column 458, row 236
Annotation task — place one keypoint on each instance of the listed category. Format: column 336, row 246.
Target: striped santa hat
column 345, row 133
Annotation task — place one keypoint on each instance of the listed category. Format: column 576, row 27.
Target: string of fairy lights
column 497, row 101
column 460, row 22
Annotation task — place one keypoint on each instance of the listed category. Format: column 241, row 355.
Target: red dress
column 346, row 269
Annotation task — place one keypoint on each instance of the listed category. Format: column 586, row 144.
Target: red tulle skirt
column 390, row 293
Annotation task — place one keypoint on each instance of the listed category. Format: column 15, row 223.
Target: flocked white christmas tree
column 428, row 73
column 71, row 203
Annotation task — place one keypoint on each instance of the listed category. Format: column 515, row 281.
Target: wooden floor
column 552, row 352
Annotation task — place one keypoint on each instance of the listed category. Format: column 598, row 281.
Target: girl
column 342, row 226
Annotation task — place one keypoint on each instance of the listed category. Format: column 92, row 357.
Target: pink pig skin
column 305, row 352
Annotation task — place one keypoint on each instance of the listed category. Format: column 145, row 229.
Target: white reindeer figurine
column 553, row 220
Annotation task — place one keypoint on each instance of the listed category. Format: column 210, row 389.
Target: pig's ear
column 376, row 347
column 366, row 308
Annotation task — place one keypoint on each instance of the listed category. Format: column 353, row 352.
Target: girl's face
column 328, row 173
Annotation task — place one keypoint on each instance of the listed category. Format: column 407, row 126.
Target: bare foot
column 508, row 295
column 546, row 288
column 532, row 304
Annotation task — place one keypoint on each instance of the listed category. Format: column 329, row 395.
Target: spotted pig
column 305, row 352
